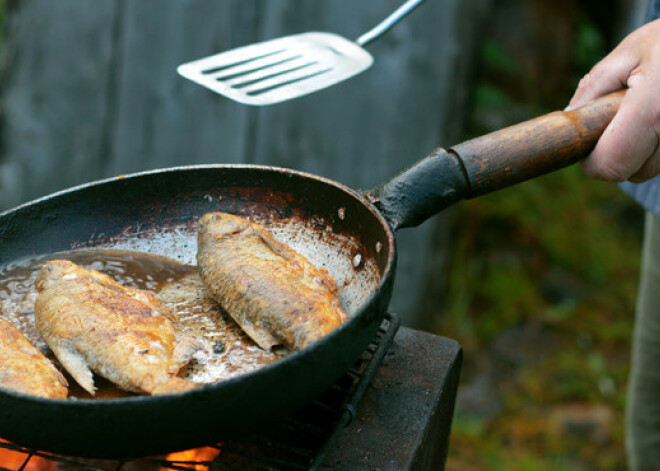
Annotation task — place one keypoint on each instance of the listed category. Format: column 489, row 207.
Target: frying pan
column 349, row 232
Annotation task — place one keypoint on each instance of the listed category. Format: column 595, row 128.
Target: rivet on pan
column 342, row 213
column 379, row 247
column 357, row 261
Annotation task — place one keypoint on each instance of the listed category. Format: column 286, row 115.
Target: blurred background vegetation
column 543, row 276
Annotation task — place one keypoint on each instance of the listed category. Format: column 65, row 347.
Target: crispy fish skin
column 93, row 323
column 23, row 368
column 274, row 293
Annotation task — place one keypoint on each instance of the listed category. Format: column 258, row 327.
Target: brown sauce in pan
column 227, row 351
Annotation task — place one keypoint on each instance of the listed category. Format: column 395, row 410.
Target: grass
column 559, row 253
column 552, row 248
column 557, row 256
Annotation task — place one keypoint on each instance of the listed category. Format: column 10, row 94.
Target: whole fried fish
column 274, row 293
column 25, row 369
column 92, row 323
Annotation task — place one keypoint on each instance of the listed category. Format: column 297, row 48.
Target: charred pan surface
column 23, row 368
column 275, row 294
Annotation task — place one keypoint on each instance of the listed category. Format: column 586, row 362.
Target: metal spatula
column 288, row 67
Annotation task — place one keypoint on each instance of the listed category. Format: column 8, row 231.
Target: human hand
column 629, row 149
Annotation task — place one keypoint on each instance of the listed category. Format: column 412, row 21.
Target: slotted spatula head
column 280, row 69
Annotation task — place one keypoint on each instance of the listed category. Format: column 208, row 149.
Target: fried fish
column 229, row 352
column 24, row 368
column 92, row 323
column 274, row 293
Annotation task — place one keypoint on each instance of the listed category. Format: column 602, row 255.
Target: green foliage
column 497, row 58
column 589, row 45
column 561, row 252
column 2, row 19
column 548, row 249
column 490, row 96
column 488, row 452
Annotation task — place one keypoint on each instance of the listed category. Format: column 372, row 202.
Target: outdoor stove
column 391, row 411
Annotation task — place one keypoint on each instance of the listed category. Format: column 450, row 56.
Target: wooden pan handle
column 535, row 147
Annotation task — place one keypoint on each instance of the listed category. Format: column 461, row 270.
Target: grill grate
column 297, row 442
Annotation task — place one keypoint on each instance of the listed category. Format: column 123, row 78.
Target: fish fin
column 184, row 349
column 280, row 249
column 58, row 374
column 261, row 336
column 75, row 364
column 172, row 386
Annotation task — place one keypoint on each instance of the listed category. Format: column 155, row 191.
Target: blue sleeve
column 647, row 193
column 653, row 10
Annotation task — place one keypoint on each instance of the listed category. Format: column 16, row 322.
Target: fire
column 197, row 459
column 15, row 460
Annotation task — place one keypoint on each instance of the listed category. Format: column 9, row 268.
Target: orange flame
column 196, row 459
column 15, row 460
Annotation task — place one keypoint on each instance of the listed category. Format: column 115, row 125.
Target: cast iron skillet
column 350, row 233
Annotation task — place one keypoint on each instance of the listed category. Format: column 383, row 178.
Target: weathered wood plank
column 164, row 120
column 54, row 85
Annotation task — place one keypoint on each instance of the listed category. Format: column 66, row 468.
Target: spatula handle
column 535, row 147
column 385, row 25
